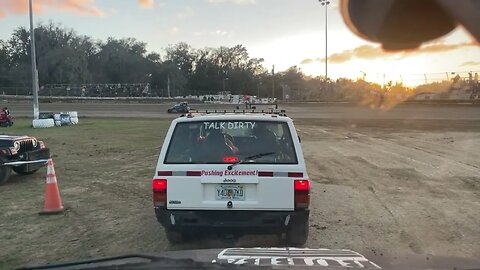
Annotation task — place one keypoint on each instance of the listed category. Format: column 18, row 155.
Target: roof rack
column 278, row 112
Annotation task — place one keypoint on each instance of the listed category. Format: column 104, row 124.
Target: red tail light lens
column 302, row 194
column 159, row 187
column 230, row 159
column 302, row 185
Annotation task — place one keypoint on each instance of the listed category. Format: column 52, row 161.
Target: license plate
column 230, row 193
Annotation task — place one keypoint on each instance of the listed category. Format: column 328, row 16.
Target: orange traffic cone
column 53, row 202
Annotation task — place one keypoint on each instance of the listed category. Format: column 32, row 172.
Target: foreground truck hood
column 283, row 258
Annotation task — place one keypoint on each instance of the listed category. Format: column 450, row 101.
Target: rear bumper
column 254, row 222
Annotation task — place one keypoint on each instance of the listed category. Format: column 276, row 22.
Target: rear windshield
column 216, row 142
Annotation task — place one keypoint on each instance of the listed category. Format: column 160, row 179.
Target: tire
column 21, row 171
column 5, row 171
column 174, row 237
column 45, row 115
column 74, row 120
column 58, row 123
column 297, row 233
column 43, row 123
column 169, row 111
column 65, row 119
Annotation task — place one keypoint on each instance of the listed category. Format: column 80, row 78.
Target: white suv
column 234, row 174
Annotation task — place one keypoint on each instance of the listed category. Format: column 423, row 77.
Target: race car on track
column 232, row 173
column 22, row 154
column 181, row 107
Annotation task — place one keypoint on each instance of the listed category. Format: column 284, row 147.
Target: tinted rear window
column 216, row 142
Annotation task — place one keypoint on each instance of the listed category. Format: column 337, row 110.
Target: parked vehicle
column 22, row 154
column 179, row 108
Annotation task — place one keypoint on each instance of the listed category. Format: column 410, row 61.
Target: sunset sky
column 283, row 32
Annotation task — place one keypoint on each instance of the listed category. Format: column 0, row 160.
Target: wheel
column 5, row 171
column 169, row 111
column 174, row 237
column 297, row 234
column 21, row 170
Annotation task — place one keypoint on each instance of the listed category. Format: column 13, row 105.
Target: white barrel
column 56, row 117
column 43, row 123
column 58, row 123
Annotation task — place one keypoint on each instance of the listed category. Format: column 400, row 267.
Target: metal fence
column 86, row 90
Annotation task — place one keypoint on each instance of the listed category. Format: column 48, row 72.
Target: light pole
column 225, row 79
column 273, row 82
column 34, row 66
column 326, row 3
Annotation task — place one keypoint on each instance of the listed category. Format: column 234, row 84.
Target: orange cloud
column 146, row 3
column 80, row 7
column 375, row 52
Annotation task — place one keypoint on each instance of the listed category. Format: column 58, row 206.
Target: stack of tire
column 73, row 117
column 50, row 119
column 57, row 119
column 68, row 118
column 45, row 120
column 43, row 123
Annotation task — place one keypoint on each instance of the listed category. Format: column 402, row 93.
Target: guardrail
column 101, row 99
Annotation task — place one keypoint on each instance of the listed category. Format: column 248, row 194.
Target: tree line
column 66, row 57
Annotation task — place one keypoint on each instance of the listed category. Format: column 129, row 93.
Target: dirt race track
column 384, row 182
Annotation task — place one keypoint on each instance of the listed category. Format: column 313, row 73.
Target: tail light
column 302, row 194
column 230, row 159
column 159, row 187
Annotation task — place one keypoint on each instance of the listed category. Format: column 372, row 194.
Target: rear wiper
column 257, row 156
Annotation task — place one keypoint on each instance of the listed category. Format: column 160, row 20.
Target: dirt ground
column 382, row 186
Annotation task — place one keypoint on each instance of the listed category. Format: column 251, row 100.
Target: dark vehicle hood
column 268, row 258
column 14, row 137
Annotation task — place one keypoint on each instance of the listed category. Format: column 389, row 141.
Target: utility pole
column 35, row 87
column 273, row 81
column 224, row 84
column 326, row 44
column 168, row 85
column 326, row 3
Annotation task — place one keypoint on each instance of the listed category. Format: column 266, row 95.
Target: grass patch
column 104, row 168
